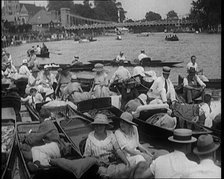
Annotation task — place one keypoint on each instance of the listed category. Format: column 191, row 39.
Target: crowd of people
column 135, row 159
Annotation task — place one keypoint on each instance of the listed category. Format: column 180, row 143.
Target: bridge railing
column 131, row 24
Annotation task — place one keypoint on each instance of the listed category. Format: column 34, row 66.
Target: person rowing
column 193, row 64
column 120, row 57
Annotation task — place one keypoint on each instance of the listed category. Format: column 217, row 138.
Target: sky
column 136, row 9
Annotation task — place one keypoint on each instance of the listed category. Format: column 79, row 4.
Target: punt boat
column 43, row 55
column 74, row 67
column 214, row 83
column 154, row 133
column 8, row 130
column 144, row 62
column 173, row 38
column 51, row 172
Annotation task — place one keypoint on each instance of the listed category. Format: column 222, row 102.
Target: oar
column 56, row 53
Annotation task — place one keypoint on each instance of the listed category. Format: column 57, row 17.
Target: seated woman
column 128, row 139
column 102, row 144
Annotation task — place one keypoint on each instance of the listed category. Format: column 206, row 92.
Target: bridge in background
column 72, row 22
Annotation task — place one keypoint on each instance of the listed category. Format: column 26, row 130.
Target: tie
column 166, row 87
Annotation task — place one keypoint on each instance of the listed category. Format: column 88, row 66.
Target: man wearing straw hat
column 163, row 88
column 23, row 70
column 205, row 150
column 121, row 74
column 174, row 164
column 120, row 57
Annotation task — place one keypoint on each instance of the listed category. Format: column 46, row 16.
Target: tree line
column 101, row 10
column 206, row 12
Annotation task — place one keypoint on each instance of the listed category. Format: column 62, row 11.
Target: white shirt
column 158, row 88
column 199, row 81
column 118, row 58
column 172, row 165
column 138, row 70
column 141, row 56
column 120, row 74
column 24, row 71
column 206, row 169
column 190, row 64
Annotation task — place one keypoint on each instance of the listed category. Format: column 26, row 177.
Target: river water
column 206, row 47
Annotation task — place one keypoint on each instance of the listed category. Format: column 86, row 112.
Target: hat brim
column 195, row 150
column 101, row 123
column 164, row 72
column 129, row 122
column 193, row 139
column 98, row 69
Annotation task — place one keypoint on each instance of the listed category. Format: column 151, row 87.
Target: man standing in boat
column 142, row 55
column 120, row 57
column 121, row 74
column 163, row 88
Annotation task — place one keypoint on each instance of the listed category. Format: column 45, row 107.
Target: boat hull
column 146, row 62
column 45, row 55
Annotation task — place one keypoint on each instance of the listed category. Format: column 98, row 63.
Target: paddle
column 56, row 53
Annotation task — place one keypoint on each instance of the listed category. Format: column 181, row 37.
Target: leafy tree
column 172, row 15
column 152, row 16
column 56, row 5
column 207, row 12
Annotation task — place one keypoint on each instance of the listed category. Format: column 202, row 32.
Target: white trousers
column 45, row 152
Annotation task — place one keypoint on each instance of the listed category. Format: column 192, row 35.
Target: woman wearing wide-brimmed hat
column 101, row 82
column 101, row 143
column 128, row 139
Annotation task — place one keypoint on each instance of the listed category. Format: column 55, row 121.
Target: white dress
column 102, row 150
column 130, row 141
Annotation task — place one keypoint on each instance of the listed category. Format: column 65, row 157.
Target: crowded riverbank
column 61, row 102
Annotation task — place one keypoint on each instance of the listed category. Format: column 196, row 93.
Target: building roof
column 31, row 8
column 41, row 17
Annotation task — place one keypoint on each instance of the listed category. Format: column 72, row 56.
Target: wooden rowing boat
column 155, row 133
column 144, row 62
column 51, row 172
column 74, row 67
column 43, row 55
column 8, row 129
column 211, row 83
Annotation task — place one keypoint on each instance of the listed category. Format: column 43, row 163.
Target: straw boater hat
column 73, row 78
column 101, row 119
column 205, row 145
column 127, row 117
column 182, row 136
column 98, row 67
column 143, row 98
column 151, row 75
column 166, row 70
column 25, row 61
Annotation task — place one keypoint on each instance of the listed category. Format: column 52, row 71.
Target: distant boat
column 144, row 34
column 119, row 37
column 145, row 62
column 172, row 38
column 84, row 41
